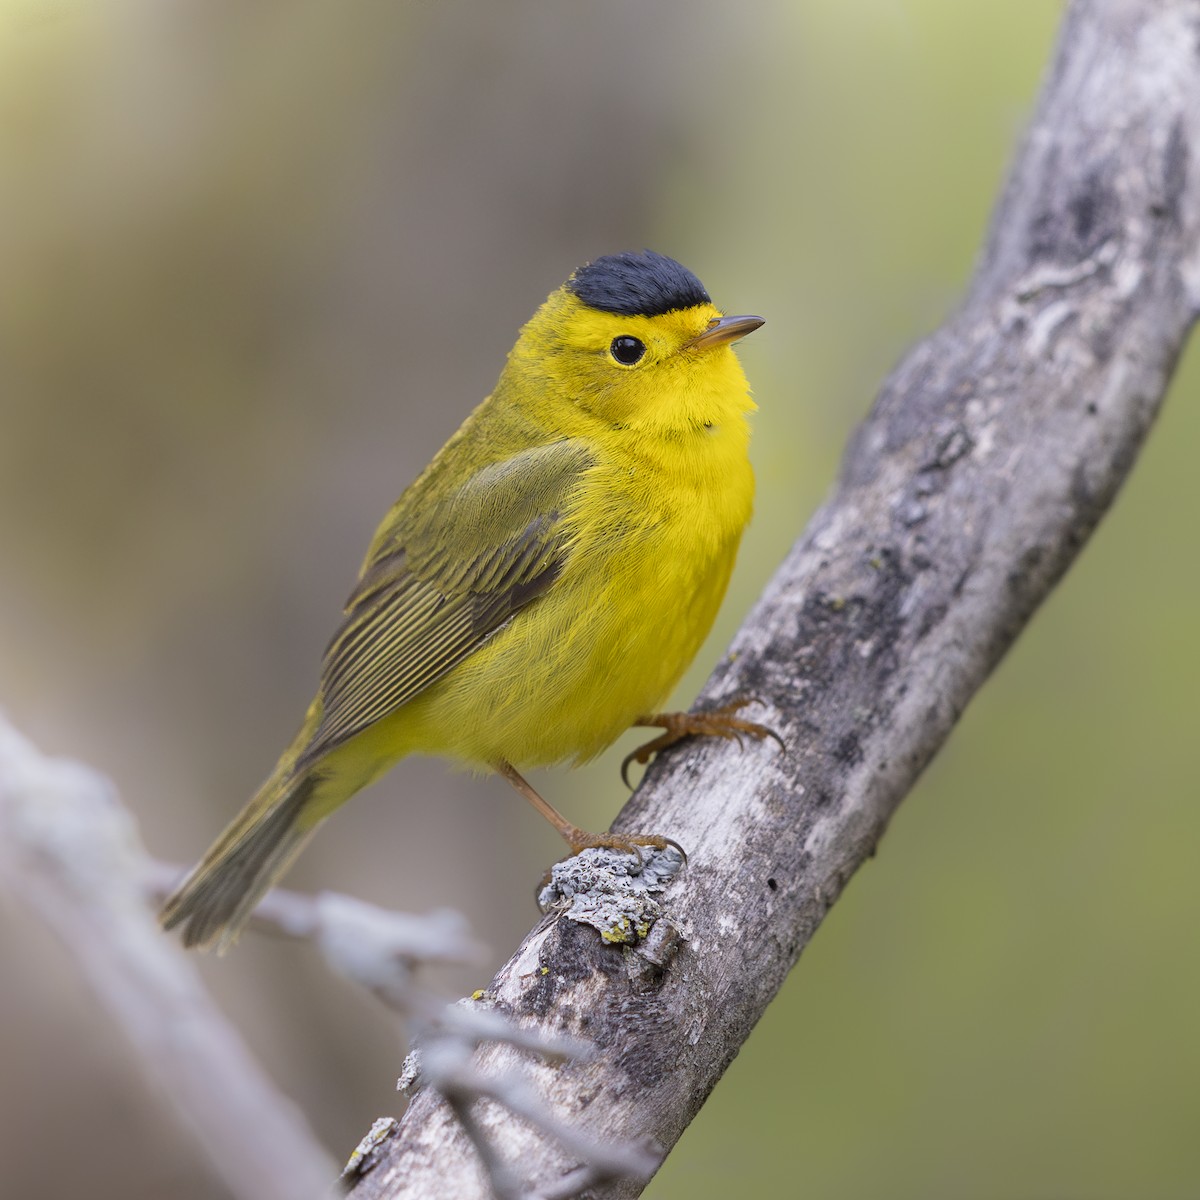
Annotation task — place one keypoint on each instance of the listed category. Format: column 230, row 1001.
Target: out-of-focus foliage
column 256, row 263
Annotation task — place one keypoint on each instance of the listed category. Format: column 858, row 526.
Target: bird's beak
column 722, row 330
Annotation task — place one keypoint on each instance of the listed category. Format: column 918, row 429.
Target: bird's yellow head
column 634, row 341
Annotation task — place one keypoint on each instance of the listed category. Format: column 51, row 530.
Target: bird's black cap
column 637, row 285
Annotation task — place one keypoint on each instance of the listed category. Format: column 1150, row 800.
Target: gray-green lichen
column 612, row 890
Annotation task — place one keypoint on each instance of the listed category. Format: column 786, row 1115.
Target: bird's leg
column 579, row 839
column 717, row 722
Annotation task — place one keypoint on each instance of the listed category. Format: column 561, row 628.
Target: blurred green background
column 258, row 260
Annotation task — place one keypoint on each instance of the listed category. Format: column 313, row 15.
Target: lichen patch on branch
column 613, row 891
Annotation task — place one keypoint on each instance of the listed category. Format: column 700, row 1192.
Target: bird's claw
column 716, row 722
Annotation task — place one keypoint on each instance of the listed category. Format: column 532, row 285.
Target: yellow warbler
column 543, row 584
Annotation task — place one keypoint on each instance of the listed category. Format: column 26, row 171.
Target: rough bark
column 988, row 459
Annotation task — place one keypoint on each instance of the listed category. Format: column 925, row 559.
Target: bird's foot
column 717, row 722
column 630, row 843
column 580, row 839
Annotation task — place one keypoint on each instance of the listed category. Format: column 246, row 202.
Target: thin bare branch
column 71, row 853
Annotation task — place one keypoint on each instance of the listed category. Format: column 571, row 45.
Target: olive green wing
column 441, row 578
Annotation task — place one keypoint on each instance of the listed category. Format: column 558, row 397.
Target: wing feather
column 440, row 580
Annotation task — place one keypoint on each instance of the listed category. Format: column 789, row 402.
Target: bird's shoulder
column 498, row 488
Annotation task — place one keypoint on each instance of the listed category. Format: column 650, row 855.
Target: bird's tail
column 216, row 899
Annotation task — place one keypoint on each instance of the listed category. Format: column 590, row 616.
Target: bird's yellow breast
column 655, row 526
column 651, row 529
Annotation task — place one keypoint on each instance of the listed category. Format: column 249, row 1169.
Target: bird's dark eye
column 627, row 350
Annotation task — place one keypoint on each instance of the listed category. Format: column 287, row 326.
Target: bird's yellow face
column 662, row 373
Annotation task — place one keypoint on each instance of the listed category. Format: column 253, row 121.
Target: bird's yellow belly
column 575, row 669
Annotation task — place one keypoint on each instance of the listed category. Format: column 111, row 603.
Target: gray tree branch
column 988, row 459
column 71, row 853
